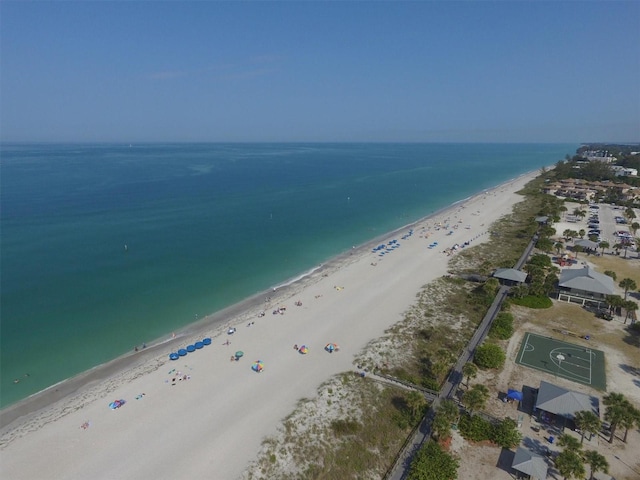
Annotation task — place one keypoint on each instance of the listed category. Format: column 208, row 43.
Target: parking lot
column 609, row 228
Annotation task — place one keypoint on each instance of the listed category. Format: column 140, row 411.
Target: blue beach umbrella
column 206, row 341
column 191, row 348
column 198, row 345
column 173, row 356
column 182, row 352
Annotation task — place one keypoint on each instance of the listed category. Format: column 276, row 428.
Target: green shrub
column 475, row 428
column 489, row 356
column 531, row 301
column 506, row 434
column 502, row 326
column 433, row 463
column 344, row 427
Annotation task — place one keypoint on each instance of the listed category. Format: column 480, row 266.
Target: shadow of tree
column 630, row 369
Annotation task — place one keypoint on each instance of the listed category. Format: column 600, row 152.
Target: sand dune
column 211, row 423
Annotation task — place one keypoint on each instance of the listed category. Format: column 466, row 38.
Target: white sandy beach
column 212, row 424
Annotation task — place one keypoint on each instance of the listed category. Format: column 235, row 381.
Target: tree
column 440, row 427
column 446, row 414
column 631, row 419
column 630, row 214
column 559, row 246
column 433, row 463
column 617, row 409
column 569, row 464
column 450, row 410
column 491, row 286
column 597, row 462
column 475, row 398
column 470, row 370
column 569, row 443
column 603, row 245
column 416, row 403
column 544, row 244
column 611, row 274
column 582, row 232
column 634, row 227
column 506, row 434
column 614, row 302
column 587, row 422
column 627, row 284
column 577, row 249
column 489, row 356
column 629, row 307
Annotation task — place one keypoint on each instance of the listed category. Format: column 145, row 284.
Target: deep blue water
column 205, row 225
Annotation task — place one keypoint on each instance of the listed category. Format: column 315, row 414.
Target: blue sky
column 320, row 71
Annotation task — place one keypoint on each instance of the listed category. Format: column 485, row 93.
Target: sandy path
column 212, row 424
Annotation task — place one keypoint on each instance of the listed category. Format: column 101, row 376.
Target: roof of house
column 560, row 401
column 586, row 279
column 526, row 462
column 510, row 274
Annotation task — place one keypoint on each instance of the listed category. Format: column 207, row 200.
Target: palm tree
column 634, row 227
column 449, row 410
column 627, row 284
column 475, row 398
column 440, row 426
column 570, row 464
column 416, row 403
column 569, row 443
column 617, row 409
column 470, row 370
column 577, row 249
column 567, row 234
column 587, row 422
column 582, row 232
column 630, row 214
column 614, row 301
column 603, row 245
column 597, row 462
column 558, row 246
column 631, row 419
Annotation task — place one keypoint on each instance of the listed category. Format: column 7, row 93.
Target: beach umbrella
column 303, row 349
column 331, row 347
column 206, row 341
column 173, row 356
column 257, row 366
column 182, row 352
column 239, row 354
column 191, row 348
column 198, row 345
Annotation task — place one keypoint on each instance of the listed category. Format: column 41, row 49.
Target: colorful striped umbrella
column 257, row 366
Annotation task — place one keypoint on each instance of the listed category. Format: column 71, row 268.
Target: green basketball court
column 573, row 362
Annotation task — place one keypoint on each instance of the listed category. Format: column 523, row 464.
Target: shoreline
column 216, row 419
column 215, row 323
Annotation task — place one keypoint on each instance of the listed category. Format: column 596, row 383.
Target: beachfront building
column 510, row 276
column 557, row 405
column 584, row 286
column 528, row 463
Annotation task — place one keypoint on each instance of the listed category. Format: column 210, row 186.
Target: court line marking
column 565, row 373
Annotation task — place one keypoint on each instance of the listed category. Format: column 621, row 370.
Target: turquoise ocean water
column 205, row 226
